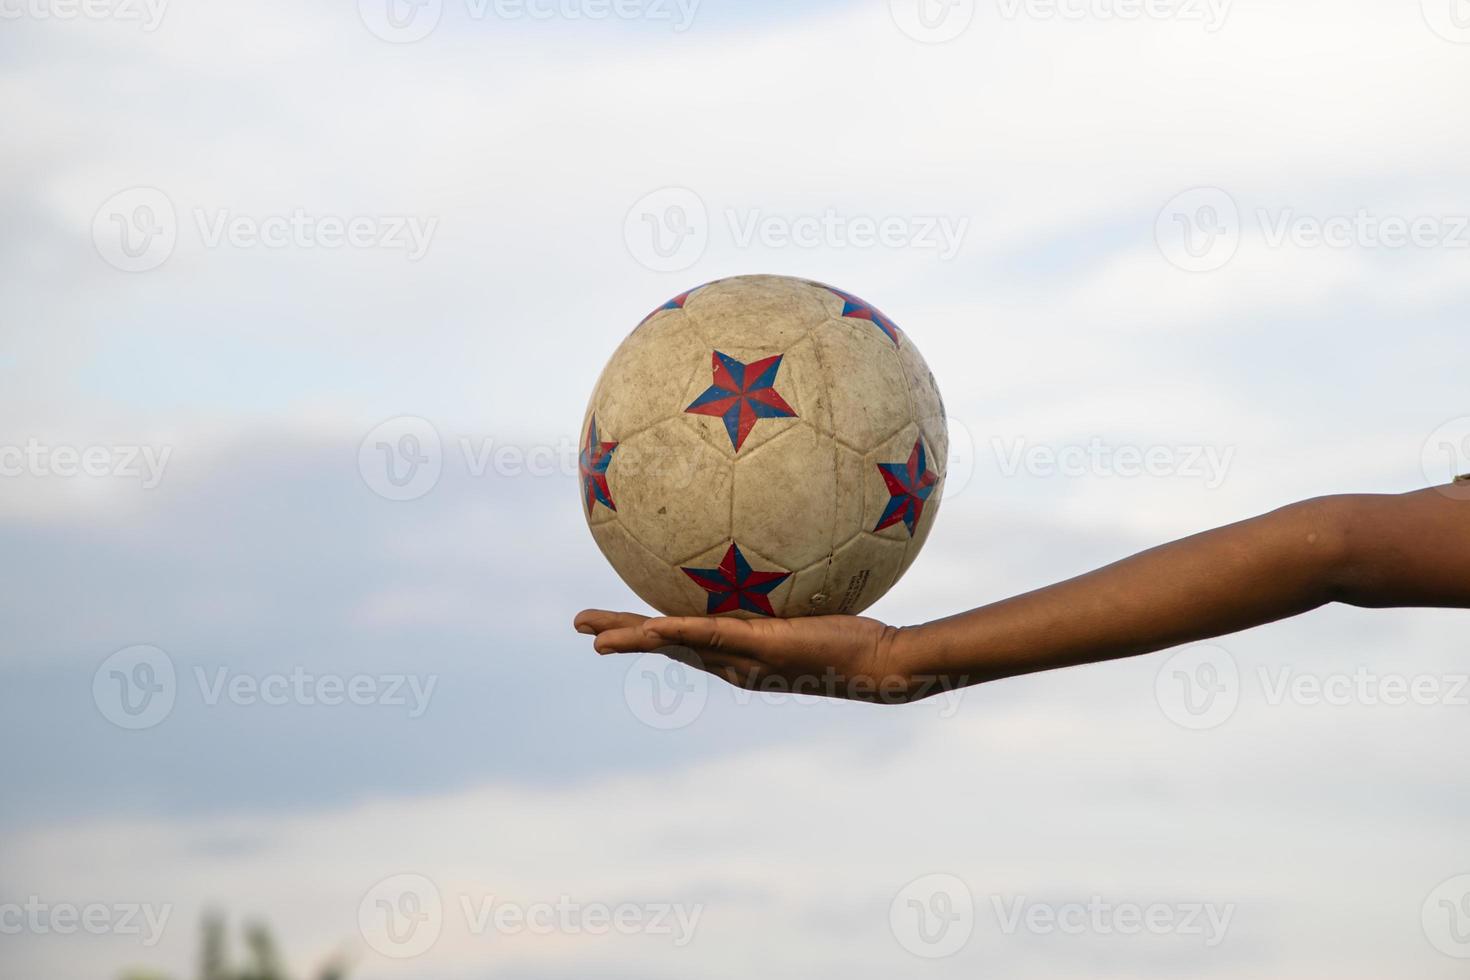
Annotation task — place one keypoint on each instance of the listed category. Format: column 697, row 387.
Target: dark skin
column 1364, row 550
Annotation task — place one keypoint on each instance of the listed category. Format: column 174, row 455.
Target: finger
column 715, row 663
column 734, row 636
column 628, row 639
column 594, row 621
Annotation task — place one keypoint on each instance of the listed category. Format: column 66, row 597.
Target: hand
column 832, row 656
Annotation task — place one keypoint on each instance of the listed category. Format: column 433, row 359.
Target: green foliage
column 262, row 958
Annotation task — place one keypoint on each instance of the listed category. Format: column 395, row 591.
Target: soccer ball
column 763, row 446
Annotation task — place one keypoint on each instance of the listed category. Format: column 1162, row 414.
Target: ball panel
column 672, row 491
column 593, row 509
column 658, row 583
column 755, row 311
column 727, row 434
column 809, row 591
column 922, row 529
column 830, row 299
column 928, row 405
column 804, row 384
column 786, row 497
column 895, row 502
column 865, row 383
column 742, row 582
column 862, row 571
column 649, row 374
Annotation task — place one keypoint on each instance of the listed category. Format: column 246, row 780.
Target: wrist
column 912, row 654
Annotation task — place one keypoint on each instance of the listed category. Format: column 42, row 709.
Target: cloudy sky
column 246, row 244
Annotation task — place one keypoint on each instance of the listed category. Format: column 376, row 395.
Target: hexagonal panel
column 786, row 497
column 713, row 429
column 923, row 527
column 672, row 490
column 924, row 393
column 866, row 386
column 647, row 377
column 756, row 311
column 810, row 593
column 876, row 495
column 661, row 585
column 862, row 571
column 778, row 597
column 599, row 513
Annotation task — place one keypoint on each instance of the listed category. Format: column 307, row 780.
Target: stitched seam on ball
column 908, row 391
column 825, row 381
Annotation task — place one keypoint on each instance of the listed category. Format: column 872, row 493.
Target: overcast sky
column 1173, row 264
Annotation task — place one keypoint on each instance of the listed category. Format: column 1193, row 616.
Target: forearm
column 1367, row 550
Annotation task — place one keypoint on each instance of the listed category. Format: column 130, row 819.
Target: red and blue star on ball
column 592, row 464
column 736, row 586
column 857, row 309
column 742, row 394
column 909, row 486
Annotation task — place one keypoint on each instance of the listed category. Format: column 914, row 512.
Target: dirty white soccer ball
column 763, row 446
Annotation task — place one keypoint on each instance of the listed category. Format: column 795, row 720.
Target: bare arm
column 1380, row 551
